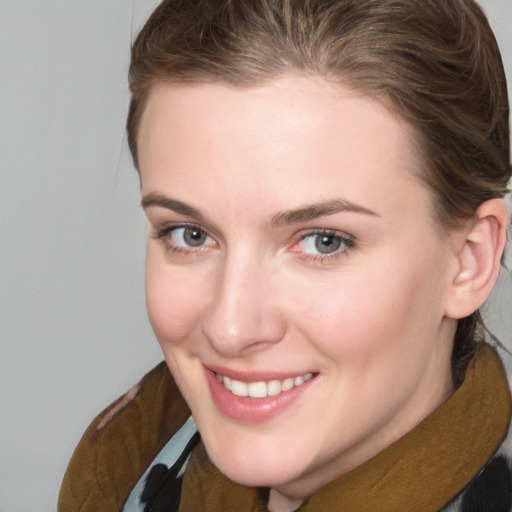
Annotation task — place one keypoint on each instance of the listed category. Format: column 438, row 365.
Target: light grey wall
column 74, row 333
column 73, row 328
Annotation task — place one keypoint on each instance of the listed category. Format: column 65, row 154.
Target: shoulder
column 491, row 488
column 120, row 443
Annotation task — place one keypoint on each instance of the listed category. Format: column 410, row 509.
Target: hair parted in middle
column 434, row 63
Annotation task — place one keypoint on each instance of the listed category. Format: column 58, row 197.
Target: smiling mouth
column 262, row 389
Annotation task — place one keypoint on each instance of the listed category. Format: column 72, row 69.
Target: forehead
column 295, row 132
column 306, row 102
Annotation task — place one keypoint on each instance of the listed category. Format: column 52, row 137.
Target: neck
column 278, row 502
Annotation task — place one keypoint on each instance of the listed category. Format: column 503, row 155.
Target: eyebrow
column 171, row 204
column 284, row 218
column 316, row 210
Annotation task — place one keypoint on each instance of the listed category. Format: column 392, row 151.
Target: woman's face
column 293, row 257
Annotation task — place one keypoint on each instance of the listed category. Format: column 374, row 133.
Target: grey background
column 73, row 327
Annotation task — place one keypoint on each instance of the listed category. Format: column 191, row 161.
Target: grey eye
column 190, row 236
column 194, row 237
column 323, row 243
column 326, row 244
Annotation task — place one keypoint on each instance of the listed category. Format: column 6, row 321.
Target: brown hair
column 436, row 63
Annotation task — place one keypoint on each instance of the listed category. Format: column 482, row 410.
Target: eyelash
column 347, row 242
column 163, row 233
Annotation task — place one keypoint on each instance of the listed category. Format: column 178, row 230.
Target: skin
column 369, row 320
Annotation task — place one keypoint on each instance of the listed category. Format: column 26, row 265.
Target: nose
column 243, row 313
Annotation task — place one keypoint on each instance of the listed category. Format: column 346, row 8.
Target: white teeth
column 257, row 389
column 262, row 389
column 303, row 378
column 239, row 388
column 287, row 384
column 274, row 388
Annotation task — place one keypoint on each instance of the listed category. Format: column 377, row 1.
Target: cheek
column 359, row 315
column 343, row 307
column 174, row 305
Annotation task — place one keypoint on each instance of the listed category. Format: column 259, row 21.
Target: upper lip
column 255, row 376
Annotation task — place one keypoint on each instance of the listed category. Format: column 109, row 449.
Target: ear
column 478, row 259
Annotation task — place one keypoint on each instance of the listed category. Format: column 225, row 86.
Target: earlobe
column 478, row 260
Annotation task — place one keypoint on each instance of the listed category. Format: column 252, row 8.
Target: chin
column 244, row 469
column 258, row 477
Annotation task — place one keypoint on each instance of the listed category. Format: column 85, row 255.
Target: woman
column 324, row 183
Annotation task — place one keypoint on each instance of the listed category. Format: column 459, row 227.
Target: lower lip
column 252, row 410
